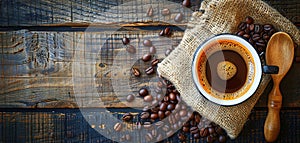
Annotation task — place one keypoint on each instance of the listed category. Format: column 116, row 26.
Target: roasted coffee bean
column 167, row 31
column 177, row 107
column 154, row 116
column 143, row 92
column 209, row 139
column 268, row 27
column 146, row 57
column 246, row 36
column 257, row 28
column 172, row 96
column 162, row 32
column 249, row 20
column 166, row 99
column 266, row 36
column 148, row 98
column 161, row 114
column 150, row 11
column 154, row 63
column 251, row 41
column 147, row 43
column 181, row 137
column 194, row 130
column 256, row 37
column 222, row 139
column 130, row 98
column 149, row 137
column 159, row 137
column 125, row 41
column 171, row 107
column 211, row 130
column 127, row 117
column 136, row 72
column 197, row 118
column 186, row 129
column 145, row 115
column 152, row 50
column 167, row 113
column 196, row 136
column 260, row 43
column 118, row 127
column 160, row 84
column 240, row 33
column 242, row 26
column 131, row 49
column 170, row 133
column 251, row 27
column 165, row 12
column 178, row 17
column 182, row 113
column 186, row 3
column 204, row 132
column 163, row 106
column 149, row 70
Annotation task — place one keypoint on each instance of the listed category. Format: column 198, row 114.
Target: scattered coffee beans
column 149, row 70
column 136, row 72
column 178, row 17
column 257, row 35
column 165, row 12
column 130, row 49
column 147, row 43
column 152, row 50
column 186, row 3
column 118, row 127
column 148, row 98
column 146, row 57
column 125, row 41
column 150, row 11
column 143, row 92
column 127, row 117
column 130, row 98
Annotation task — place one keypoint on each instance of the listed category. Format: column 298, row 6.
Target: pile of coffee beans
column 256, row 34
column 165, row 113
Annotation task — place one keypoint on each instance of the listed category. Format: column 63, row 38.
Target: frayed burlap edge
column 219, row 17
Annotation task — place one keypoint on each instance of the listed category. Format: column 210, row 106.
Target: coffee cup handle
column 268, row 69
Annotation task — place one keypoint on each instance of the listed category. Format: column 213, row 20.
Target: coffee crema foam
column 220, row 51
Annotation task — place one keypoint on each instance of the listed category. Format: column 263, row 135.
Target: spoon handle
column 272, row 124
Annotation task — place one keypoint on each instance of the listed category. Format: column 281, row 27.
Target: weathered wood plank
column 28, row 13
column 71, row 125
column 33, row 78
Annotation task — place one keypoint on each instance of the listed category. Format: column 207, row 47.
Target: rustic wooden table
column 45, row 44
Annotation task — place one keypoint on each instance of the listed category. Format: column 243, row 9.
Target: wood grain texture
column 70, row 125
column 37, row 64
column 28, row 13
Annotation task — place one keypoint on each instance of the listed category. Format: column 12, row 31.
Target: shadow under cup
column 227, row 69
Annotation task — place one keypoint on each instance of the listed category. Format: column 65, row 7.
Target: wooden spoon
column 279, row 52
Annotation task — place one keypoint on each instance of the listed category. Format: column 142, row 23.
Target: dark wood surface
column 39, row 49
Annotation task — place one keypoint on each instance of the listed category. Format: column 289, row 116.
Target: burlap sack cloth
column 220, row 16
